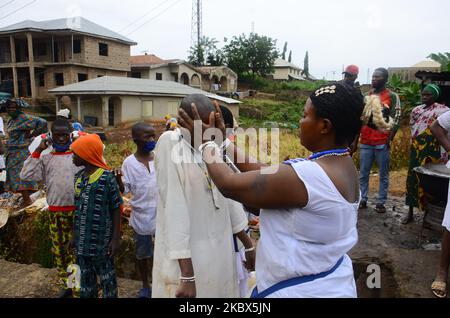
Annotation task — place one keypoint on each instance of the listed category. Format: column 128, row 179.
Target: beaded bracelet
column 187, row 279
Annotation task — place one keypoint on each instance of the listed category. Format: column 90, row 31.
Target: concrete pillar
column 79, row 108
column 16, row 82
column 57, row 104
column 105, row 111
column 53, row 49
column 31, row 66
column 14, row 68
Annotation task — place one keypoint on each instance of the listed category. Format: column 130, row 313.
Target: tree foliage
column 443, row 59
column 409, row 93
column 206, row 53
column 305, row 71
column 253, row 54
column 283, row 55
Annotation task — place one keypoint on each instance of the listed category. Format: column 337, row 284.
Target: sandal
column 439, row 289
column 380, row 208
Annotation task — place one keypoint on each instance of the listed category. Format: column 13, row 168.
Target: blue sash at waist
column 294, row 282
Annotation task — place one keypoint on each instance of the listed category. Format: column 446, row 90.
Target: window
column 59, row 79
column 76, row 46
column 147, row 108
column 159, row 76
column 173, row 108
column 82, row 77
column 40, row 49
column 136, row 74
column 103, row 49
column 41, row 79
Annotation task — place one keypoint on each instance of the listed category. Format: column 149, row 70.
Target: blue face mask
column 150, row 146
column 62, row 148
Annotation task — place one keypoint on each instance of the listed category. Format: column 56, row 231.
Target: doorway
column 111, row 113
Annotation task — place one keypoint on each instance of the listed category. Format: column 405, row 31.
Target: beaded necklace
column 322, row 154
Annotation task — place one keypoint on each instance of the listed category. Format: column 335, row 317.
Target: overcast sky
column 370, row 34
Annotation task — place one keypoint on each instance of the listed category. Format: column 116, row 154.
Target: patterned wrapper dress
column 20, row 130
column 424, row 148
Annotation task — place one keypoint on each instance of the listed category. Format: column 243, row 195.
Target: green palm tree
column 443, row 59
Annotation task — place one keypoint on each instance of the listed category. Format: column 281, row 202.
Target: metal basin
column 434, row 179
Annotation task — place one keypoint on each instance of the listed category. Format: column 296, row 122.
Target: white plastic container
column 35, row 144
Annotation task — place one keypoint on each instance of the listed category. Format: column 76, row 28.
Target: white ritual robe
column 194, row 222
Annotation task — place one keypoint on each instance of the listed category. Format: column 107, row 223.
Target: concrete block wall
column 70, row 74
column 118, row 54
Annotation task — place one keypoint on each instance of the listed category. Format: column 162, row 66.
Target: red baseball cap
column 352, row 70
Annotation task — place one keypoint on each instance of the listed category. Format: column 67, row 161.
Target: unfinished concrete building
column 38, row 56
column 208, row 78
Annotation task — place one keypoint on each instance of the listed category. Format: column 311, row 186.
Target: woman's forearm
column 218, row 170
column 441, row 135
column 242, row 160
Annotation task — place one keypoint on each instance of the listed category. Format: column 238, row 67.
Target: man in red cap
column 350, row 75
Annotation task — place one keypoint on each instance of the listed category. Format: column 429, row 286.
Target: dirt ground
column 33, row 281
column 122, row 133
column 408, row 263
column 408, row 260
column 397, row 183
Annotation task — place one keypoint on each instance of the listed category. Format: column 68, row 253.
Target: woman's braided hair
column 343, row 106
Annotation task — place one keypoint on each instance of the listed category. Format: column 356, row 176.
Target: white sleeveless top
column 300, row 242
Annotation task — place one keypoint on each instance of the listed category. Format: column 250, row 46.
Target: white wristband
column 250, row 249
column 205, row 145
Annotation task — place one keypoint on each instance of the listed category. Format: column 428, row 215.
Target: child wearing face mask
column 138, row 177
column 58, row 172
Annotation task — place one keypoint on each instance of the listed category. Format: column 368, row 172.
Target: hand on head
column 215, row 121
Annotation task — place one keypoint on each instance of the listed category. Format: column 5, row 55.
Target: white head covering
column 64, row 113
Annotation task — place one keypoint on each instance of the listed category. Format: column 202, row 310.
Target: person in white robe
column 194, row 251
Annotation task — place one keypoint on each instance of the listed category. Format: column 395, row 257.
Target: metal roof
column 284, row 63
column 75, row 24
column 111, row 85
column 297, row 77
column 427, row 64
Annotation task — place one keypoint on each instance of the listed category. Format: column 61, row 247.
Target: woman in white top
column 309, row 206
column 441, row 130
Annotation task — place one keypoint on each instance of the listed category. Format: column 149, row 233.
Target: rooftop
column 75, row 24
column 284, row 63
column 427, row 64
column 146, row 60
column 111, row 85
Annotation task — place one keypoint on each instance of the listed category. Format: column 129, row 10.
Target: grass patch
column 115, row 154
column 270, row 113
